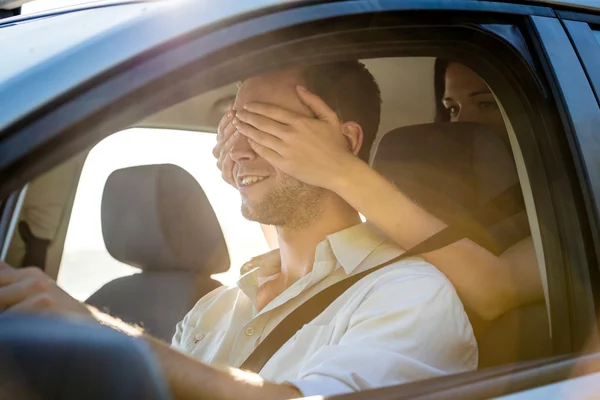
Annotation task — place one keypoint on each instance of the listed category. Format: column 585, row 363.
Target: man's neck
column 298, row 246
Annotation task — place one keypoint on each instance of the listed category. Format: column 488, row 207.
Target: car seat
column 451, row 169
column 158, row 219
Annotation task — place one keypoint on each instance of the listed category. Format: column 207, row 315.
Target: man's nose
column 241, row 151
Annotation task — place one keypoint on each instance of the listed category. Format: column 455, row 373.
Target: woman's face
column 468, row 98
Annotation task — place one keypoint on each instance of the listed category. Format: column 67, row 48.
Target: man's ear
column 354, row 136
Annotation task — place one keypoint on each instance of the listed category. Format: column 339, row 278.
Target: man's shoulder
column 413, row 266
column 219, row 300
column 412, row 274
column 410, row 271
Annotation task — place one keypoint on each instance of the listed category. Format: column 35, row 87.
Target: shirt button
column 198, row 337
column 249, row 331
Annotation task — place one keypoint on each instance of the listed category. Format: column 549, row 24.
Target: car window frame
column 574, row 86
column 581, row 28
column 56, row 148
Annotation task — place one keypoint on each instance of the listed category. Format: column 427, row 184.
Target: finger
column 261, row 123
column 226, row 149
column 264, row 139
column 35, row 304
column 225, row 120
column 228, row 131
column 9, row 276
column 316, row 104
column 226, row 135
column 271, row 156
column 5, row 266
column 273, row 112
column 222, row 135
column 19, row 291
column 227, row 171
column 234, row 172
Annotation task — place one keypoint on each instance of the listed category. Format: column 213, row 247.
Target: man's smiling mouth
column 250, row 180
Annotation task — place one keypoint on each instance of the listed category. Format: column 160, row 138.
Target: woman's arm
column 490, row 285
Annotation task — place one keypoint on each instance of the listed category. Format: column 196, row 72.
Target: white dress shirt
column 401, row 323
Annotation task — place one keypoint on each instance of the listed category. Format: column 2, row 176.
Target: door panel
column 582, row 388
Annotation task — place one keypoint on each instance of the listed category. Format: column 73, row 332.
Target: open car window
column 447, row 150
column 432, row 144
column 86, row 265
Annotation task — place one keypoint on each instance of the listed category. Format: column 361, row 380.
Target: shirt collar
column 350, row 248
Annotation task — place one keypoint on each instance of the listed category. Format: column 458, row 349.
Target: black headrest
column 451, row 169
column 157, row 217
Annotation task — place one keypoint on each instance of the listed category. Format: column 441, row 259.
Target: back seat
column 451, row 169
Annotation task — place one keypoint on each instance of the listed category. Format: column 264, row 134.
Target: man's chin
column 256, row 214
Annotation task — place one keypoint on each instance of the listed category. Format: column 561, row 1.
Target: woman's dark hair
column 439, row 84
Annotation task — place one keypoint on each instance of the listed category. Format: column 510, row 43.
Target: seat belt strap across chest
column 487, row 215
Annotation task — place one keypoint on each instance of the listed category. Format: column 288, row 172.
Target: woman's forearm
column 490, row 285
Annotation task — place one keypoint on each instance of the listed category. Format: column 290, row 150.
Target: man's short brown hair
column 352, row 92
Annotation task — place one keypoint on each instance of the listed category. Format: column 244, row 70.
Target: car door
column 166, row 55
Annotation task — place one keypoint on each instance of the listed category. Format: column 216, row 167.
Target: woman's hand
column 316, row 151
column 226, row 137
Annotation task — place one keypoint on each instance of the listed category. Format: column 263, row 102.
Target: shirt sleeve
column 406, row 329
column 176, row 340
column 193, row 317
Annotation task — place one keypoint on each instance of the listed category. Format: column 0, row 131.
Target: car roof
column 17, row 78
column 33, row 56
column 593, row 5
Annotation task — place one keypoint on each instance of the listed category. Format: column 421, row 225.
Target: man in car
column 401, row 323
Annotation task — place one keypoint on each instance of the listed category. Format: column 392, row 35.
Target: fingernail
column 302, row 88
column 230, row 114
column 236, row 133
column 234, row 121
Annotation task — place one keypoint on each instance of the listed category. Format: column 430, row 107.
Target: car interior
column 152, row 217
column 450, row 168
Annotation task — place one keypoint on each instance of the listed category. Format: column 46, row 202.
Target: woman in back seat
column 490, row 285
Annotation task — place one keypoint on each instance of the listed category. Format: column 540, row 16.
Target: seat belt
column 488, row 214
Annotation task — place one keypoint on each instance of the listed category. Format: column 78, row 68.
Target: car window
column 449, row 140
column 451, row 121
column 446, row 143
column 455, row 133
column 443, row 135
column 86, row 265
column 597, row 34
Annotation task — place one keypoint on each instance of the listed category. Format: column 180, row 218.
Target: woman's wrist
column 350, row 168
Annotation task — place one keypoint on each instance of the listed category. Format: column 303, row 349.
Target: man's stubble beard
column 293, row 205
